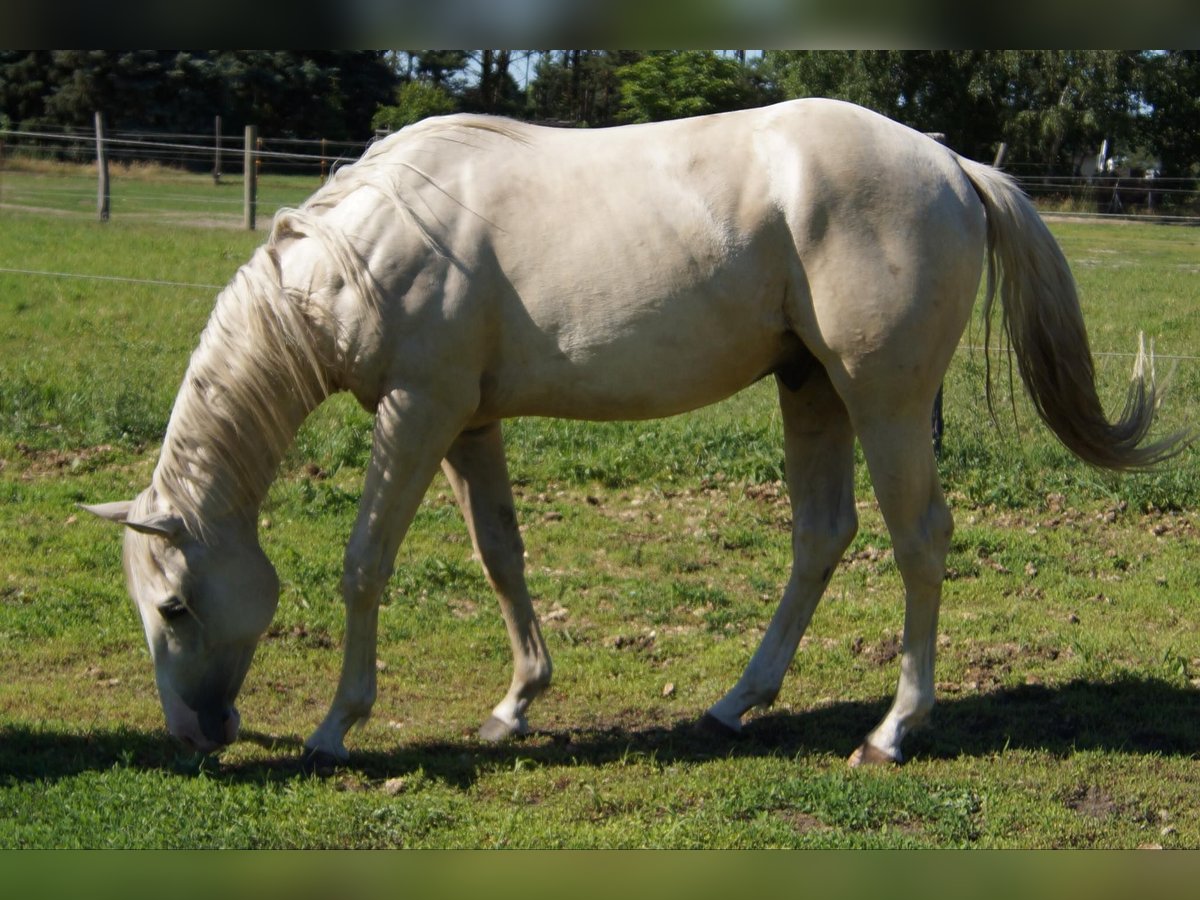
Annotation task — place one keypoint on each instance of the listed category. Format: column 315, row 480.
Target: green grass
column 1068, row 657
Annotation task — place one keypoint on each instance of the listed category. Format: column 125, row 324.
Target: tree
column 1062, row 104
column 443, row 68
column 495, row 90
column 580, row 87
column 24, row 84
column 674, row 84
column 415, row 100
column 1171, row 90
column 1049, row 106
column 327, row 93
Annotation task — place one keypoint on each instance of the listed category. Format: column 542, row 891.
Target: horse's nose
column 219, row 725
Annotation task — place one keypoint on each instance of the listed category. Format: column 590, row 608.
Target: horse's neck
column 250, row 384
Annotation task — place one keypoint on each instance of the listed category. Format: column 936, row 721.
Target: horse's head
column 204, row 605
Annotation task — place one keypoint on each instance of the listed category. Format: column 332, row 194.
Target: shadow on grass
column 1133, row 716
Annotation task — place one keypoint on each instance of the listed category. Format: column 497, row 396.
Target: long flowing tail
column 1041, row 317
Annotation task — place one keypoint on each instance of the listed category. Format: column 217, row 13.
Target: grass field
column 1068, row 660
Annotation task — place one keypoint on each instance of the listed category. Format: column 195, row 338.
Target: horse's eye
column 172, row 608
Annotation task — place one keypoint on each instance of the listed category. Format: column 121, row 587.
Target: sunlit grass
column 656, row 552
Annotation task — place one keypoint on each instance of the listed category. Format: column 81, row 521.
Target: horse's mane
column 258, row 365
column 234, row 415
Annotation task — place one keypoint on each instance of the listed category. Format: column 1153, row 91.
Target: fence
column 247, row 156
column 1132, row 195
column 191, row 152
column 223, row 154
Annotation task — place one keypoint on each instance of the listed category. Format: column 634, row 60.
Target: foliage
column 580, row 87
column 328, row 93
column 1172, row 91
column 495, row 91
column 415, row 100
column 675, row 84
column 1051, row 107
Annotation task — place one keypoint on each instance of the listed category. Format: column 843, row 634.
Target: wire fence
column 173, row 178
column 213, row 152
column 1101, row 196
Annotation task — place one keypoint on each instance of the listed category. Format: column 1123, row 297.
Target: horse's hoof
column 495, row 730
column 319, row 762
column 870, row 755
column 710, row 726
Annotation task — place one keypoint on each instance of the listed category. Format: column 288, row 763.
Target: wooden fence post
column 217, row 154
column 102, row 196
column 250, row 176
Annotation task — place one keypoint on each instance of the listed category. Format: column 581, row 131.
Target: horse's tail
column 1041, row 317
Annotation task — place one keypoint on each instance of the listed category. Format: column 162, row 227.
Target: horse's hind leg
column 476, row 470
column 819, row 454
column 896, row 442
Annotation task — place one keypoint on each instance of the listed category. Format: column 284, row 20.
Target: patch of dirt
column 880, row 654
column 635, row 642
column 767, row 492
column 14, row 593
column 1092, row 801
column 463, row 608
column 802, row 822
column 299, row 633
column 54, row 462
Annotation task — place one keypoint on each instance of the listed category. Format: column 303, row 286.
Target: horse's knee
column 363, row 581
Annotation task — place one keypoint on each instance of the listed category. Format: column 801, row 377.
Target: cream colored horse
column 471, row 269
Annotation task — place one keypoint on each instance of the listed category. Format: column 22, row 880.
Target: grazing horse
column 469, row 269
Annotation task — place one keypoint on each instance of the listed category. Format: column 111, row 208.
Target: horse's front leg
column 412, row 432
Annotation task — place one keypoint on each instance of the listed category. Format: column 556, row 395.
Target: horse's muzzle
column 219, row 727
column 205, row 731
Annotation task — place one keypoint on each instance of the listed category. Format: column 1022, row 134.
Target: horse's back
column 644, row 270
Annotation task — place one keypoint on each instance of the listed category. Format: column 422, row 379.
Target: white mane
column 233, row 418
column 257, row 371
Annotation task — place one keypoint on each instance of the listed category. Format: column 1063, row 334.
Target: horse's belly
column 634, row 379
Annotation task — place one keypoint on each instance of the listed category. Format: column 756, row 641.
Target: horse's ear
column 164, row 525
column 113, row 512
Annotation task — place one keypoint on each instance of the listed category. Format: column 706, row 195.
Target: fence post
column 250, row 176
column 102, row 196
column 217, row 154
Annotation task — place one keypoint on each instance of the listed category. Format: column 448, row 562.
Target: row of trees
column 328, row 93
column 1052, row 108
